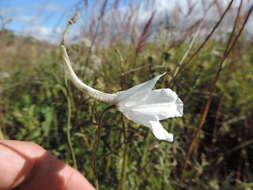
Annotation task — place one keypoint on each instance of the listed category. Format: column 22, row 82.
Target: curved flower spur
column 140, row 103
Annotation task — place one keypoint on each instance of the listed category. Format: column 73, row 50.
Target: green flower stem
column 145, row 151
column 96, row 145
column 125, row 158
column 69, row 126
column 1, row 135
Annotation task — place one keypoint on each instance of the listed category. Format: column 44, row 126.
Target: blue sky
column 44, row 19
column 49, row 12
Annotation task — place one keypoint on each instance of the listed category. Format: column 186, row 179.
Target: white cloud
column 140, row 15
column 43, row 33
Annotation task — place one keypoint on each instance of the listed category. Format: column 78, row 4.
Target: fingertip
column 29, row 166
column 15, row 165
column 77, row 181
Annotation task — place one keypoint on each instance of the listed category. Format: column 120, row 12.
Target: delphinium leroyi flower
column 140, row 104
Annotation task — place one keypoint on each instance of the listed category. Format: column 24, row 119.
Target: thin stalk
column 96, row 145
column 125, row 158
column 145, row 151
column 2, row 127
column 235, row 25
column 67, row 92
column 212, row 31
column 69, row 24
column 187, row 52
column 95, row 34
column 69, row 127
column 1, row 135
column 206, row 39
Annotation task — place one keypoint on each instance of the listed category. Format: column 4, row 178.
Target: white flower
column 140, row 103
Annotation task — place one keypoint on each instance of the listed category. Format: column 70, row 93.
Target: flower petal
column 159, row 132
column 150, row 121
column 139, row 118
column 136, row 91
column 162, row 103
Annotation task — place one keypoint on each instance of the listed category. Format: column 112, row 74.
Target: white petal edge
column 138, row 89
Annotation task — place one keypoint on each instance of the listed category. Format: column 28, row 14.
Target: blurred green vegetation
column 38, row 104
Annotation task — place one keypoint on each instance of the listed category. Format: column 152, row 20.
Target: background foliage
column 38, row 104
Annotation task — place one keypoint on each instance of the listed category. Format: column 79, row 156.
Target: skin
column 26, row 165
